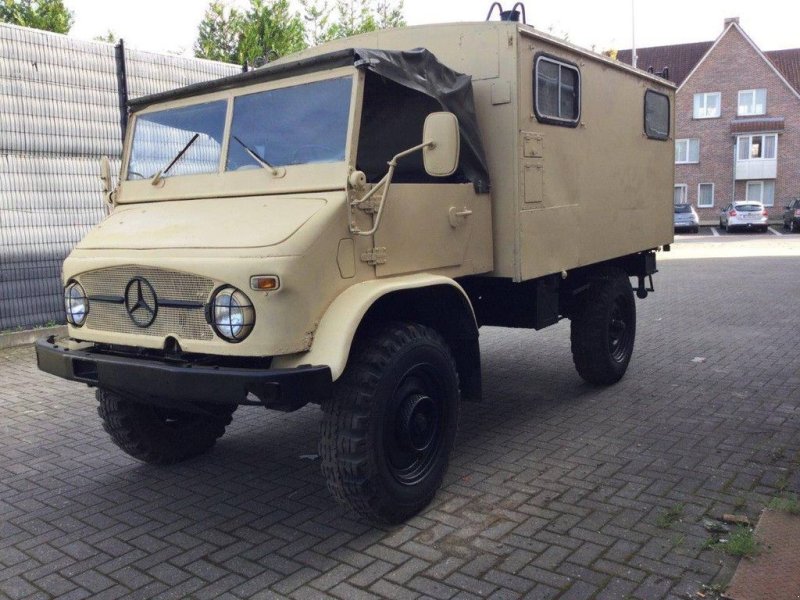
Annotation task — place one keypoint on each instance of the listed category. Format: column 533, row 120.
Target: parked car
column 791, row 216
column 746, row 214
column 686, row 218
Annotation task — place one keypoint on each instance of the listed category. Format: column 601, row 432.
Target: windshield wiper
column 158, row 176
column 259, row 159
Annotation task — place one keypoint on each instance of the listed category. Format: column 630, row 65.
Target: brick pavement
column 555, row 490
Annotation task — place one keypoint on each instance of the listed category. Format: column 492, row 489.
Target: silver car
column 746, row 214
column 686, row 218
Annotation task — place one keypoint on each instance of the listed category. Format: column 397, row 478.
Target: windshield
column 748, row 207
column 287, row 126
column 290, row 126
column 160, row 137
column 683, row 208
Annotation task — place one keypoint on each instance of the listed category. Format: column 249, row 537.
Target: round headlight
column 76, row 304
column 232, row 314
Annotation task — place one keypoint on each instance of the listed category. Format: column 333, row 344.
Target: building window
column 761, row 191
column 705, row 195
column 680, row 195
column 752, row 102
column 757, row 147
column 656, row 115
column 707, row 105
column 687, row 151
column 557, row 97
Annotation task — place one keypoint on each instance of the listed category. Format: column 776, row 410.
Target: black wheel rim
column 619, row 330
column 414, row 425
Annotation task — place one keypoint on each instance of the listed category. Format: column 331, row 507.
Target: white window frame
column 701, row 112
column 687, row 155
column 749, row 139
column 684, row 193
column 700, row 196
column 760, row 185
column 752, row 108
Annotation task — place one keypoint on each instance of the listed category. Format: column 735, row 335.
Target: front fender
column 334, row 335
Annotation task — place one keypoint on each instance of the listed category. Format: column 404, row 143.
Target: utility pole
column 634, row 58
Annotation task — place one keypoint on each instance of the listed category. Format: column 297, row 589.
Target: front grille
column 185, row 323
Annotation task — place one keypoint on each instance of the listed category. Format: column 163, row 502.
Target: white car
column 746, row 214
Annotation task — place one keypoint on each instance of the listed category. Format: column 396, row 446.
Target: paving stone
column 554, row 487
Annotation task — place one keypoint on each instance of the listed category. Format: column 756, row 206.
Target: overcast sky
column 171, row 25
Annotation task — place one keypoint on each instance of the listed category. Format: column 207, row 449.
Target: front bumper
column 184, row 384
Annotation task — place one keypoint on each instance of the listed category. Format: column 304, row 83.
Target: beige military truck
column 334, row 228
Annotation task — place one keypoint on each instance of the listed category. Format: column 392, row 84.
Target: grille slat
column 186, row 323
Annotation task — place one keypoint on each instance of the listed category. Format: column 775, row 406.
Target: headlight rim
column 73, row 284
column 247, row 306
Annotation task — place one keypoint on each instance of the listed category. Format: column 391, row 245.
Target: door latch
column 457, row 217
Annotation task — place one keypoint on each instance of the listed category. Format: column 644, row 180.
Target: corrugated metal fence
column 59, row 113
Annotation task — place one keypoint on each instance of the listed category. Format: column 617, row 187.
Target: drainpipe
column 735, row 155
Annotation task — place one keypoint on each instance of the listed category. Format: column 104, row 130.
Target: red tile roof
column 679, row 58
column 682, row 58
column 788, row 63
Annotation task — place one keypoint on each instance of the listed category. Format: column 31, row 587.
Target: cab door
column 428, row 226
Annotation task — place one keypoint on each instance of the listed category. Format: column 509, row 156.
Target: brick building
column 737, row 122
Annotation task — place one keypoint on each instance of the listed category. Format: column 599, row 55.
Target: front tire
column 387, row 432
column 603, row 328
column 158, row 435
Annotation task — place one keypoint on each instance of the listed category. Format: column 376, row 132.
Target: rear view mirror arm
column 384, row 183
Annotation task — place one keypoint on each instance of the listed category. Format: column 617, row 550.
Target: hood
column 209, row 223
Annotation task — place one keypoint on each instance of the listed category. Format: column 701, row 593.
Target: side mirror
column 441, row 131
column 105, row 173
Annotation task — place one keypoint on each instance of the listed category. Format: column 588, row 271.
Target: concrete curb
column 23, row 338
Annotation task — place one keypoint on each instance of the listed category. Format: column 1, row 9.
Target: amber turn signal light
column 265, row 283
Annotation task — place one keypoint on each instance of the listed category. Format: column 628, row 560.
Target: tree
column 49, row 15
column 109, row 37
column 352, row 17
column 317, row 14
column 219, row 33
column 389, row 15
column 267, row 30
column 270, row 31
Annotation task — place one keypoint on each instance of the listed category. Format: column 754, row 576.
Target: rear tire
column 387, row 432
column 603, row 328
column 161, row 436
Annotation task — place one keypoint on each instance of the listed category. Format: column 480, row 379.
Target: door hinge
column 376, row 256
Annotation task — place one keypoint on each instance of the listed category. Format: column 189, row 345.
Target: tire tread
column 131, row 427
column 344, row 430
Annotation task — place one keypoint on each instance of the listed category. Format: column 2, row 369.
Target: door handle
column 457, row 217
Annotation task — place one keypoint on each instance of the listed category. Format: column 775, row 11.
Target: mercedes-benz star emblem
column 141, row 302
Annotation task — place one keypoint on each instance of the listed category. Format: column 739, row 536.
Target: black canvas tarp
column 419, row 70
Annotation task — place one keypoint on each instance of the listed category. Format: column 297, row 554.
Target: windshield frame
column 302, row 177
